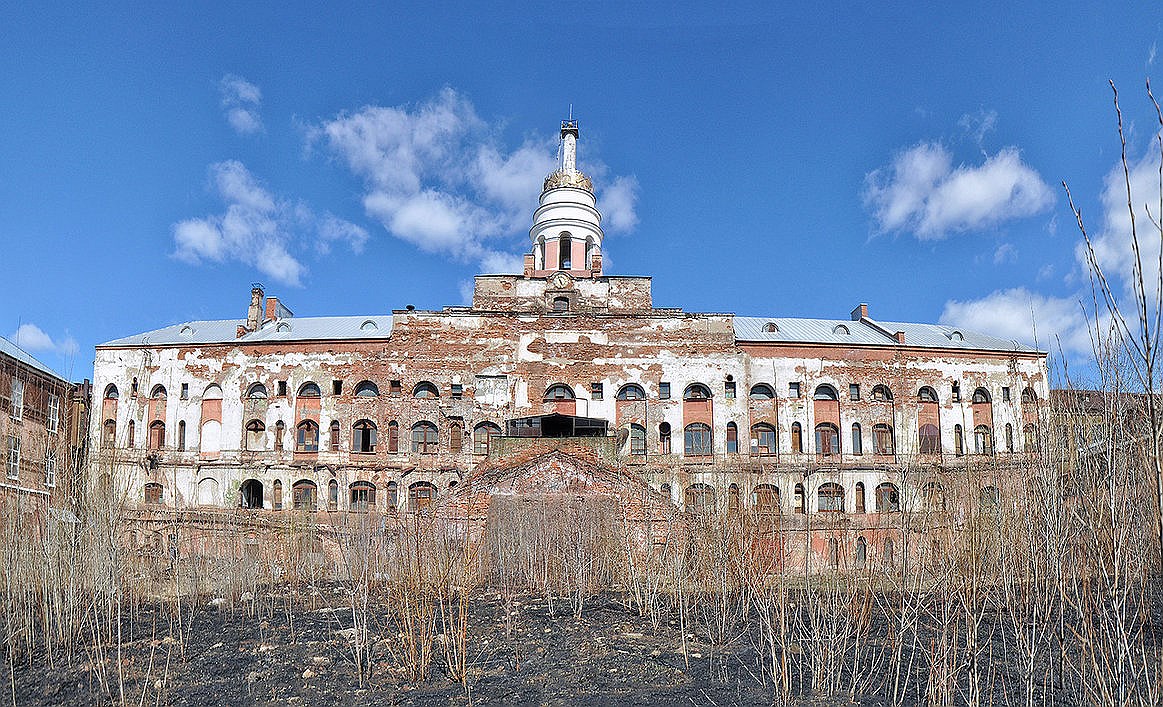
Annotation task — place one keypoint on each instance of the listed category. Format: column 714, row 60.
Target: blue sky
column 154, row 161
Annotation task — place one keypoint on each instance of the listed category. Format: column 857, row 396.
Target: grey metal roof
column 11, row 349
column 870, row 332
column 223, row 331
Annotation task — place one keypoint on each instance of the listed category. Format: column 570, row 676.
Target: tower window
column 564, row 246
column 561, row 304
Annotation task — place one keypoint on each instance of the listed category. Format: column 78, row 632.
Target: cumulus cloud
column 437, row 176
column 30, row 337
column 1029, row 317
column 241, row 100
column 922, row 193
column 258, row 229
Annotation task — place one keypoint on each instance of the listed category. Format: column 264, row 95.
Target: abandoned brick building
column 388, row 412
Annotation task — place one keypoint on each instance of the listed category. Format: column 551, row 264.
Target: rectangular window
column 50, row 468
column 185, row 391
column 337, row 387
column 54, row 413
column 395, row 389
column 13, row 457
column 457, row 391
column 854, row 391
column 596, row 391
column 1005, row 393
column 956, row 392
column 664, row 391
column 793, row 390
column 729, row 390
column 282, row 389
column 17, row 398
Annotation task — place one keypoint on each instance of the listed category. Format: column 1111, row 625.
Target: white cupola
column 567, row 232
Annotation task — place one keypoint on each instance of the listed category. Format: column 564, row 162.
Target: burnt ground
column 304, row 656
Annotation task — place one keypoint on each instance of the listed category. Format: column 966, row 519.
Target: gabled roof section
column 224, row 331
column 10, row 349
column 869, row 332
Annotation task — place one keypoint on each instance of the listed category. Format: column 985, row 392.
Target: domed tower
column 567, row 232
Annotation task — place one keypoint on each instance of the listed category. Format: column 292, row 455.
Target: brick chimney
column 254, row 312
column 900, row 337
column 861, row 312
column 277, row 310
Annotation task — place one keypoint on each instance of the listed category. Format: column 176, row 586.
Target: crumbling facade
column 388, row 412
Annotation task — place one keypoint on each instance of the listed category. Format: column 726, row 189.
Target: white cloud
column 241, row 100
column 978, row 125
column 1020, row 314
column 30, row 337
column 437, row 176
column 1005, row 253
column 923, row 193
column 258, row 229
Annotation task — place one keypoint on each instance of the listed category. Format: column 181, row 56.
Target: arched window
column 153, row 494
column 1029, row 437
column 130, row 431
column 280, row 428
column 158, row 392
column 881, row 394
column 861, row 553
column 927, row 395
column 425, row 439
column 332, row 495
column 857, row 439
column 1009, row 438
column 882, row 438
column 981, row 395
column 797, row 438
column 1029, row 396
column 765, row 499
column 366, row 389
column 363, row 437
column 664, row 489
column 833, row 553
column 888, row 499
column 830, row 498
column 559, row 391
column 424, row 389
column 256, row 433
column 482, row 437
column 362, row 495
column 696, row 391
column 393, row 495
column 256, row 391
column 770, row 327
column 982, row 440
column 860, row 506
column 699, row 498
column 637, row 440
column 307, row 436
column 157, row 434
column 732, row 438
column 304, row 495
column 212, row 392
column 393, row 437
column 929, row 438
column 631, row 391
column 761, row 391
column 561, row 304
column 111, row 392
column 181, row 435
column 250, row 494
column 934, row 497
column 564, row 252
column 309, row 390
column 420, row 496
column 455, row 435
column 733, row 498
column 109, row 433
column 763, row 439
column 825, row 392
column 277, row 495
column 664, row 438
column 697, row 440
column 889, row 550
column 800, row 500
column 958, row 440
column 333, row 443
column 827, row 439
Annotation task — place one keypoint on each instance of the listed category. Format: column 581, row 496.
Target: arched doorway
column 251, row 494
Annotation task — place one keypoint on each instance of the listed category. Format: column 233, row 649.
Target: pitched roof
column 11, row 349
column 223, row 331
column 866, row 332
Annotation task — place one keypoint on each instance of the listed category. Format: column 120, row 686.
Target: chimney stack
column 861, row 312
column 254, row 312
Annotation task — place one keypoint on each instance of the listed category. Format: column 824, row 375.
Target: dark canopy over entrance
column 556, row 425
